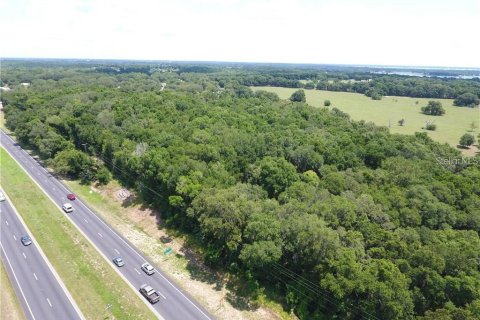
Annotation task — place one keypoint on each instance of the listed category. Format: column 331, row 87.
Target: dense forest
column 341, row 219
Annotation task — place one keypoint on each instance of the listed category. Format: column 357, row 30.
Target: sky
column 358, row 32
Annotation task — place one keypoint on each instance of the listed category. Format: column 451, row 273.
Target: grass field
column 91, row 281
column 385, row 112
column 9, row 305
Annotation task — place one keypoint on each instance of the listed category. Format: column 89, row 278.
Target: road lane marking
column 6, row 222
column 62, row 187
column 60, row 282
column 162, row 295
column 14, row 237
column 136, row 270
column 16, row 280
column 24, row 255
column 85, row 220
column 35, row 276
column 118, row 252
column 138, row 254
column 48, row 300
column 100, row 234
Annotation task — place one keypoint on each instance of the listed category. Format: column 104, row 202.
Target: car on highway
column 2, row 196
column 67, row 207
column 71, row 196
column 148, row 268
column 26, row 241
column 149, row 293
column 119, row 262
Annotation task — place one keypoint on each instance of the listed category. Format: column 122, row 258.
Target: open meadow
column 387, row 112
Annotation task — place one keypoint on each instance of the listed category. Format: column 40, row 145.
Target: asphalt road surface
column 39, row 292
column 174, row 302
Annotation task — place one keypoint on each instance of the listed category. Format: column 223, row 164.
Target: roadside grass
column 385, row 112
column 93, row 283
column 2, row 121
column 195, row 279
column 9, row 305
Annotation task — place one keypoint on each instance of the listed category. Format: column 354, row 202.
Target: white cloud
column 423, row 32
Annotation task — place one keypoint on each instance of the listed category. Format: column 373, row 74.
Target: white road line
column 85, row 220
column 15, row 238
column 162, row 295
column 6, row 222
column 48, row 300
column 136, row 270
column 24, row 256
column 16, row 280
column 63, row 187
column 138, row 254
column 47, row 262
column 100, row 234
column 35, row 276
column 118, row 252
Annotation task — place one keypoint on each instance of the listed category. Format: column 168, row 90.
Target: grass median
column 97, row 289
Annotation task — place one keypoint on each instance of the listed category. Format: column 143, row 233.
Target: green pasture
column 389, row 110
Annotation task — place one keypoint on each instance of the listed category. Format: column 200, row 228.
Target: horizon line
column 357, row 65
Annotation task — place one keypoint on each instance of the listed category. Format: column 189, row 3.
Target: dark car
column 26, row 241
column 71, row 196
column 119, row 262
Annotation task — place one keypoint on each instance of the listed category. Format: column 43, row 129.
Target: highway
column 40, row 293
column 174, row 302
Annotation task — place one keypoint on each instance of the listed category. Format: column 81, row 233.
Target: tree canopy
column 340, row 219
column 433, row 108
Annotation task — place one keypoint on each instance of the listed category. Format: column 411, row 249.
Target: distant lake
column 423, row 74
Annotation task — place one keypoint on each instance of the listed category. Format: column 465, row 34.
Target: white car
column 2, row 196
column 67, row 207
column 148, row 268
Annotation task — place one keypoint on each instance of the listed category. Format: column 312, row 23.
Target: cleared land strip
column 92, row 282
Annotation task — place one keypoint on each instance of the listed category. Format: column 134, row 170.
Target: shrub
column 467, row 140
column 298, row 96
column 327, row 103
column 434, row 108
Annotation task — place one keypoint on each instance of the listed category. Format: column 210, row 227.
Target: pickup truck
column 149, row 293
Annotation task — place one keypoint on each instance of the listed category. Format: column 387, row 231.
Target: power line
column 305, row 283
column 312, row 287
column 127, row 175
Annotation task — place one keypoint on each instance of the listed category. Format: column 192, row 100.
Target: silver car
column 2, row 196
column 119, row 262
column 148, row 268
column 26, row 241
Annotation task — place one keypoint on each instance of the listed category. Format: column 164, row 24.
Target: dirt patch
column 143, row 227
column 471, row 151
